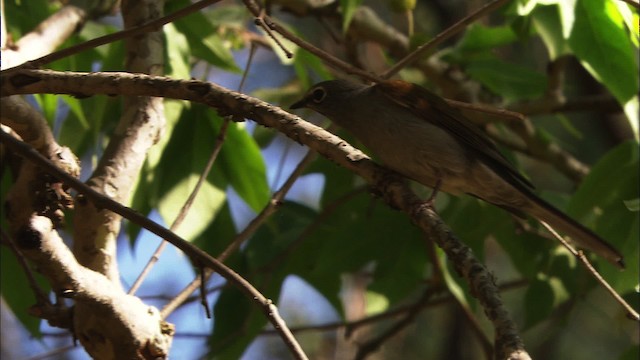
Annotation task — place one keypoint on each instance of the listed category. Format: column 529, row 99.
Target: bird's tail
column 577, row 232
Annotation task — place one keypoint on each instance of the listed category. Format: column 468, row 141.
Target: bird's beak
column 299, row 104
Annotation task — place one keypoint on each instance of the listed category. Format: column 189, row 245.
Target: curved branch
column 29, row 123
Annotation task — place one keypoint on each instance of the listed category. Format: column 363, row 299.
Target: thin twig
column 631, row 313
column 326, row 57
column 260, row 22
column 276, row 200
column 438, row 39
column 182, row 214
column 499, row 113
column 203, row 292
column 185, row 293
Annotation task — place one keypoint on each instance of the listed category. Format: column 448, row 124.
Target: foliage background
column 332, row 252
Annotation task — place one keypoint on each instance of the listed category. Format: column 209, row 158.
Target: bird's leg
column 432, row 198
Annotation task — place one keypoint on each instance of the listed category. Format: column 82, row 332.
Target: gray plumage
column 417, row 134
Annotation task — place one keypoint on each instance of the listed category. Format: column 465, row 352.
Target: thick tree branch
column 96, row 230
column 29, row 123
column 33, row 210
column 130, row 329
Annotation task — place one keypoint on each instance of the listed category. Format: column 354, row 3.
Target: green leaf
column 229, row 14
column 527, row 252
column 599, row 202
column 348, row 10
column 14, row 286
column 112, row 60
column 239, row 164
column 633, row 205
column 546, row 20
column 488, row 220
column 173, row 111
column 355, row 232
column 632, row 110
column 376, row 303
column 304, row 62
column 16, row 291
column 632, row 353
column 479, row 37
column 243, row 165
column 511, row 81
column 238, row 322
column 541, row 297
column 76, row 108
column 338, row 181
column 219, row 234
column 455, row 284
column 91, row 57
column 204, row 40
column 49, row 105
column 177, row 53
column 174, row 177
column 278, row 234
column 286, row 58
column 630, row 19
column 208, row 202
column 599, row 39
column 79, row 131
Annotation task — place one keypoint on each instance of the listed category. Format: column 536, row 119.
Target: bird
column 419, row 135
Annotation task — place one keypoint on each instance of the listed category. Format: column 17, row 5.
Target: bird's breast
column 412, row 146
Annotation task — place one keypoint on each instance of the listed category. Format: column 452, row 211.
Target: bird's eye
column 318, row 95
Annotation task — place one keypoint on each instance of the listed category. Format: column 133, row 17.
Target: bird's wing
column 433, row 108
